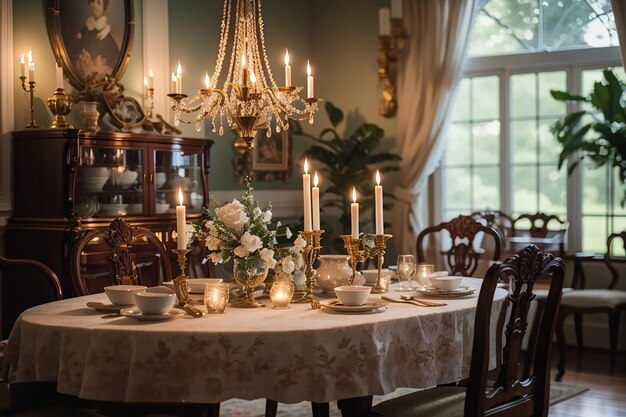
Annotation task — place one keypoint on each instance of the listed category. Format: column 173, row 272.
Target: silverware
column 416, row 302
column 419, row 300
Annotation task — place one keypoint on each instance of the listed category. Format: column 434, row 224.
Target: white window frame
column 573, row 62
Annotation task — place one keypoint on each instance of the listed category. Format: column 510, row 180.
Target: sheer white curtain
column 619, row 11
column 439, row 38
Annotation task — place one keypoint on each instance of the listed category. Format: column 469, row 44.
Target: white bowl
column 159, row 179
column 91, row 183
column 371, row 275
column 198, row 284
column 127, row 178
column 134, row 208
column 162, row 207
column 354, row 295
column 446, row 283
column 123, row 295
column 113, row 209
column 87, row 172
column 155, row 302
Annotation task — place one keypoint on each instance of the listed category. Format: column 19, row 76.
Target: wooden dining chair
column 582, row 300
column 118, row 254
column 500, row 221
column 515, row 392
column 463, row 253
column 547, row 231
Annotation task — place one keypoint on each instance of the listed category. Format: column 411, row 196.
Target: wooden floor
column 607, row 392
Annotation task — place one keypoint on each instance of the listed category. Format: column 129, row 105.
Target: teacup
column 155, row 302
column 446, row 283
column 354, row 295
column 123, row 295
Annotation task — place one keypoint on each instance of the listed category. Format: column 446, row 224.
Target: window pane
column 457, row 188
column 523, row 95
column 549, row 147
column 486, row 191
column 486, row 106
column 524, row 190
column 458, row 145
column 486, row 142
column 524, row 144
column 594, row 190
column 462, row 105
column 594, row 234
column 553, row 189
column 556, row 80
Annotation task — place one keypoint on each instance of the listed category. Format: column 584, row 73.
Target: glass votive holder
column 385, row 279
column 282, row 293
column 423, row 273
column 216, row 297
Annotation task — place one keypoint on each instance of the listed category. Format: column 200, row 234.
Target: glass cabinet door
column 109, row 182
column 174, row 170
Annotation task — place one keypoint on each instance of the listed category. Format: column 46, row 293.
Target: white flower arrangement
column 238, row 229
column 291, row 259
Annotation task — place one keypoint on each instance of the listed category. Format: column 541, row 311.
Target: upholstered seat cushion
column 593, row 298
column 434, row 402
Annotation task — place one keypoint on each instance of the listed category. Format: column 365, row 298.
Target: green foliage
column 597, row 132
column 347, row 162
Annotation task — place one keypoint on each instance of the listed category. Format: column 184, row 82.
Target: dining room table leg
column 355, row 407
column 320, row 409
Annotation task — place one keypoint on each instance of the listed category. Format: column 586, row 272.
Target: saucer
column 135, row 313
column 369, row 305
column 462, row 291
column 104, row 308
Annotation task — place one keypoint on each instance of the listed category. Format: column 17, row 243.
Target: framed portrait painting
column 91, row 38
column 269, row 160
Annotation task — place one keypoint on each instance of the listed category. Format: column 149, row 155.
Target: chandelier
column 249, row 98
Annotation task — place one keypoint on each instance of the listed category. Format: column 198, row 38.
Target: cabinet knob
column 151, row 176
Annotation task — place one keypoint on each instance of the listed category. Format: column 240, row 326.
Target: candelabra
column 391, row 47
column 148, row 98
column 60, row 105
column 309, row 254
column 366, row 247
column 30, row 90
column 250, row 99
column 181, row 287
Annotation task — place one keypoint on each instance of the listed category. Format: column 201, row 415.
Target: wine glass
column 406, row 270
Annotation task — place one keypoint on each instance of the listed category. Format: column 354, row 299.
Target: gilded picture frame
column 269, row 160
column 91, row 38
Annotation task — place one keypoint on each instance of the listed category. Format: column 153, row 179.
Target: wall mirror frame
column 91, row 37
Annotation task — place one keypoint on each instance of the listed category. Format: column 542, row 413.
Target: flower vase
column 90, row 115
column 249, row 272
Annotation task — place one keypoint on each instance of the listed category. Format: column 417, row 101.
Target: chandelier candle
column 180, row 222
column 378, row 200
column 309, row 81
column 306, row 191
column 315, row 193
column 22, row 67
column 179, row 79
column 31, row 67
column 151, row 79
column 287, row 70
column 354, row 211
column 59, row 77
column 384, row 22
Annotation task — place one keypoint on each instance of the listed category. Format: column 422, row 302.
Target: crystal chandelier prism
column 249, row 98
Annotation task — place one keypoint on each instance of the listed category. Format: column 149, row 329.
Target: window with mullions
column 472, row 158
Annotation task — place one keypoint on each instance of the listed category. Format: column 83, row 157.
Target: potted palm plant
column 347, row 162
column 597, row 132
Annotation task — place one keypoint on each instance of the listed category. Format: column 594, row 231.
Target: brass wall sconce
column 392, row 36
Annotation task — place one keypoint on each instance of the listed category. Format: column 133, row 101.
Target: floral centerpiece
column 240, row 231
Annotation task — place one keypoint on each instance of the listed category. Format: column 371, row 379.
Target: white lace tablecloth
column 286, row 355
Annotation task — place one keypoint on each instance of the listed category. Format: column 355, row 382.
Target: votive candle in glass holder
column 385, row 279
column 282, row 293
column 423, row 273
column 216, row 297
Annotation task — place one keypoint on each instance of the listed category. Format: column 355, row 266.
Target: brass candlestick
column 30, row 90
column 391, row 48
column 381, row 247
column 181, row 287
column 60, row 105
column 310, row 253
column 359, row 250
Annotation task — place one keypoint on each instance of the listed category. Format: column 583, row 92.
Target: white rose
column 233, row 215
column 267, row 216
column 213, row 243
column 216, row 258
column 299, row 244
column 287, row 265
column 241, row 252
column 256, row 213
column 251, row 242
column 268, row 257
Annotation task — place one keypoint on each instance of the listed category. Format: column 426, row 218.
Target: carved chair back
column 542, row 226
column 118, row 254
column 516, row 385
column 462, row 256
column 613, row 256
column 497, row 219
column 25, row 284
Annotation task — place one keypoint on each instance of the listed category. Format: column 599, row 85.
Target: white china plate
column 369, row 305
column 104, row 308
column 135, row 313
column 462, row 291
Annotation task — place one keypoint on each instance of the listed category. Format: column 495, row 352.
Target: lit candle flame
column 179, row 69
column 145, row 81
column 30, row 56
column 151, row 73
column 173, row 77
column 22, row 59
column 308, row 69
column 354, row 194
column 207, row 80
column 244, row 63
column 377, row 177
column 306, row 166
column 252, row 77
column 286, row 57
column 180, row 196
column 315, row 179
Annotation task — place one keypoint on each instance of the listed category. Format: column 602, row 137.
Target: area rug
column 239, row 408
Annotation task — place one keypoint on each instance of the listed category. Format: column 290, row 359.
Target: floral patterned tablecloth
column 287, row 355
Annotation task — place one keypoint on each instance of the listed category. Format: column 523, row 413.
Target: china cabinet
column 68, row 181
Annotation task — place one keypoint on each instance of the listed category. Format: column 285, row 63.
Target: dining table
column 288, row 355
